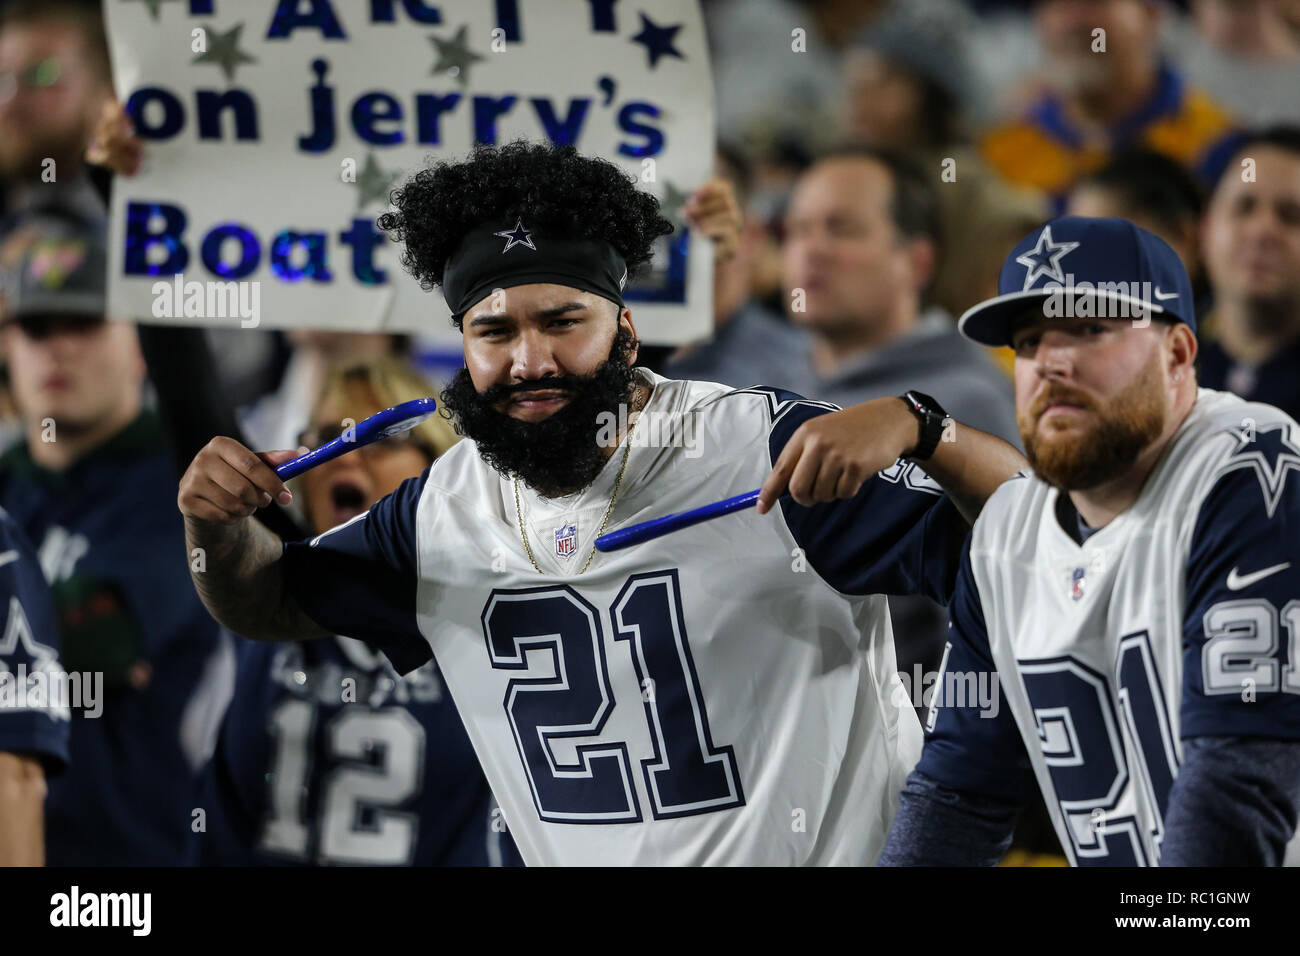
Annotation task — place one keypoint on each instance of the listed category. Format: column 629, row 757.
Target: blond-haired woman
column 326, row 755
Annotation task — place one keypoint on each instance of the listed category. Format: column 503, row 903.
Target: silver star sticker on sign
column 155, row 6
column 223, row 50
column 454, row 57
column 670, row 207
column 373, row 182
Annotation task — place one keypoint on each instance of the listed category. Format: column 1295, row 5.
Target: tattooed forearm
column 237, row 572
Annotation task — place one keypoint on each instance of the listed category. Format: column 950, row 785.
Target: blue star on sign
column 518, row 236
column 1272, row 452
column 657, row 40
column 1045, row 259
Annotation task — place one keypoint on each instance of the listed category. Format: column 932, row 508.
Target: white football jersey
column 719, row 695
column 1178, row 619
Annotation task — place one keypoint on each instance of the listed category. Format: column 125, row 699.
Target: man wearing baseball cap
column 1138, row 594
column 91, row 485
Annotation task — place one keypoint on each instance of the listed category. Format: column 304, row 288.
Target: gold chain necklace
column 519, row 513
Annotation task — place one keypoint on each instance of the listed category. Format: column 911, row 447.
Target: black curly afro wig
column 555, row 187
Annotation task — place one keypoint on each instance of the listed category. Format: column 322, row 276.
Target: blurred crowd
column 884, row 156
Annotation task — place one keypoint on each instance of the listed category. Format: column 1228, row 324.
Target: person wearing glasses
column 54, row 81
column 326, row 756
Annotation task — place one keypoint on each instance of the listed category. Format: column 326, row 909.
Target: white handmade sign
column 273, row 132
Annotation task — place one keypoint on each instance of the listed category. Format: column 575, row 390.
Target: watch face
column 925, row 402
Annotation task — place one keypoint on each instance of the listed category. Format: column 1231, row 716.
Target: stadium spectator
column 750, row 345
column 1149, row 190
column 1104, row 88
column 1251, row 239
column 33, row 730
column 92, row 487
column 54, row 79
column 908, row 84
column 275, row 420
column 1153, row 192
column 1244, row 53
column 278, row 788
column 861, row 244
column 756, row 103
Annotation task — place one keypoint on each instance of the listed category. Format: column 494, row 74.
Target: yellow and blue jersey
column 1044, row 150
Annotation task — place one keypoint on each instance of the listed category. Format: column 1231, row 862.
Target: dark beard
column 561, row 453
column 1131, row 421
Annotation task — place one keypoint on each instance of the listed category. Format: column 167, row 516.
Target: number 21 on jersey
column 573, row 698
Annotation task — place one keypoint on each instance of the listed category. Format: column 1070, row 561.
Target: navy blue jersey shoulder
column 1241, row 623
column 112, row 544
column 899, row 535
column 971, row 744
column 327, row 757
column 360, row 578
column 29, row 645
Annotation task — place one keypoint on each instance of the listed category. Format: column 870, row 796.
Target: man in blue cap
column 1138, row 594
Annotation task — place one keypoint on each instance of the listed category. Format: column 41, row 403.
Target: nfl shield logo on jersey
column 566, row 540
column 1076, row 582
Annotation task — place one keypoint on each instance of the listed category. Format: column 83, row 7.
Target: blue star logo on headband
column 518, row 236
column 1045, row 258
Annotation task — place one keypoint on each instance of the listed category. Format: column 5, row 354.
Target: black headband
column 497, row 256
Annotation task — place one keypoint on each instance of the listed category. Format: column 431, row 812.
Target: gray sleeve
column 1233, row 803
column 940, row 826
column 987, row 402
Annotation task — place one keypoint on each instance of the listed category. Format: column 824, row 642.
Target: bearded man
column 721, row 695
column 1138, row 595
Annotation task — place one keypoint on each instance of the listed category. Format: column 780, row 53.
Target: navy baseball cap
column 1124, row 272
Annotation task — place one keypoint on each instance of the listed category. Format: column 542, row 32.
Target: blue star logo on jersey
column 18, row 636
column 1273, row 453
column 518, row 236
column 566, row 540
column 1045, row 259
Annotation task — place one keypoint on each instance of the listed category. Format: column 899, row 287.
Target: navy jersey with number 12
column 327, row 757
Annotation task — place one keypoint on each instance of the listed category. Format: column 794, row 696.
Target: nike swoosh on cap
column 1165, row 295
column 1238, row 581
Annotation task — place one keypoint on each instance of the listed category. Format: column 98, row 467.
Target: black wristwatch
column 933, row 419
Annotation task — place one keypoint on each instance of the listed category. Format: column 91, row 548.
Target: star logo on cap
column 518, row 236
column 1045, row 259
